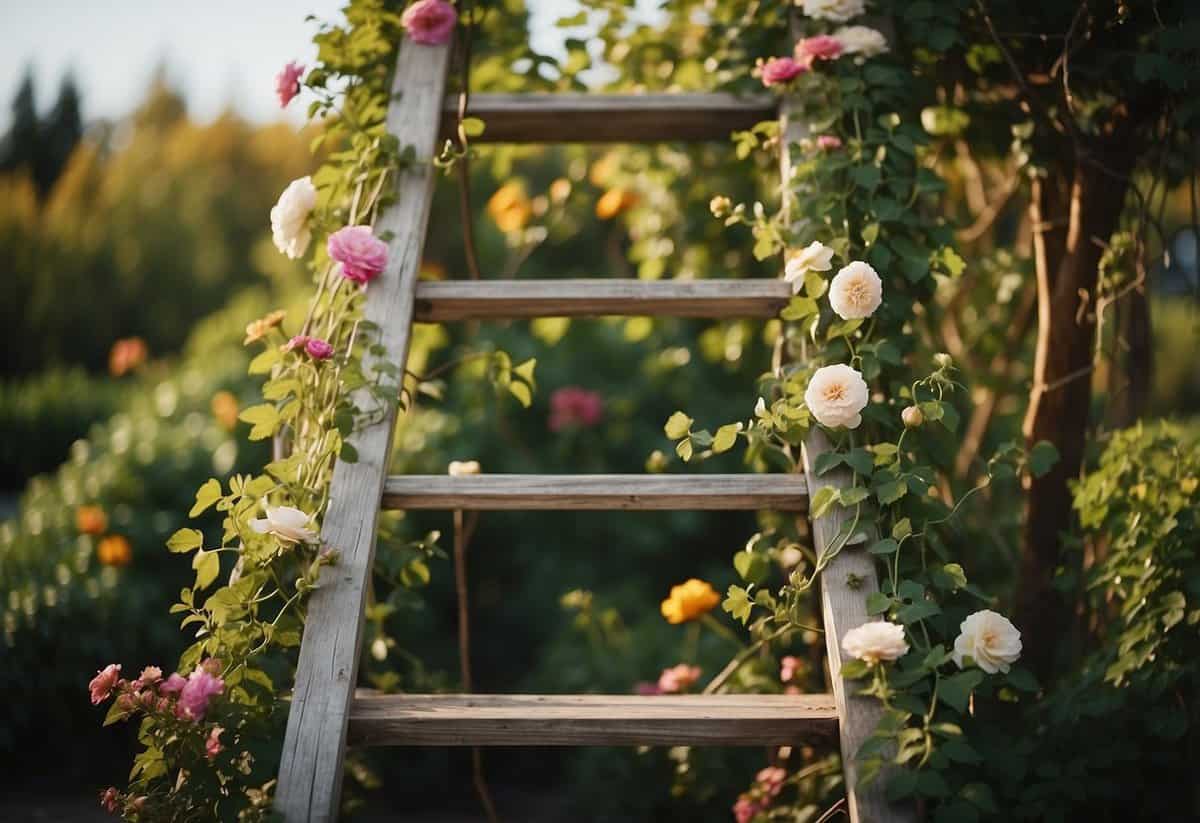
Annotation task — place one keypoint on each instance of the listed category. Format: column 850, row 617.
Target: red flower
column 573, row 406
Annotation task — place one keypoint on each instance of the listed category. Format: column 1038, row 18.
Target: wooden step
column 576, row 492
column 590, row 720
column 439, row 301
column 609, row 118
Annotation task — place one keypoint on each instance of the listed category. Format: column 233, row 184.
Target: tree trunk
column 1059, row 403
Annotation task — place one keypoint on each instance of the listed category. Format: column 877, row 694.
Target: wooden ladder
column 326, row 714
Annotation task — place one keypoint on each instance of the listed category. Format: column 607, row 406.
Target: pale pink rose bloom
column 102, row 684
column 110, row 800
column 173, row 684
column 788, row 667
column 287, row 82
column 362, row 255
column 829, row 142
column 201, row 686
column 572, row 406
column 299, row 341
column 286, row 523
column 150, row 675
column 678, row 678
column 318, row 349
column 430, row 22
column 780, row 70
column 771, row 780
column 212, row 746
column 821, row 47
column 746, row 808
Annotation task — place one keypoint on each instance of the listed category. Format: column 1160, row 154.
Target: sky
column 219, row 52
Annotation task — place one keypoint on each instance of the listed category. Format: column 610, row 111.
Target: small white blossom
column 856, row 291
column 875, row 641
column 289, row 217
column 839, row 11
column 990, row 639
column 286, row 523
column 460, row 468
column 813, row 257
column 836, row 396
column 862, row 41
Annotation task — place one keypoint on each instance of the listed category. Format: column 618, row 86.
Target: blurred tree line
column 37, row 146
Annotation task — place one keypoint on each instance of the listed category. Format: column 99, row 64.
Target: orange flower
column 126, row 355
column 114, row 550
column 432, row 270
column 615, row 201
column 91, row 520
column 225, row 409
column 258, row 329
column 690, row 600
column 560, row 190
column 509, row 207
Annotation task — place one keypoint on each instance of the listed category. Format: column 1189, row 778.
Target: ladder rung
column 610, row 118
column 590, row 720
column 574, row 492
column 439, row 301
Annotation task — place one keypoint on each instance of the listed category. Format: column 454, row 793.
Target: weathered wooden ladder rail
column 327, row 712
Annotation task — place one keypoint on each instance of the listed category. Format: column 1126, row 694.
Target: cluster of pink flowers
column 678, row 679
column 768, row 783
column 362, row 255
column 315, row 347
column 779, row 70
column 287, row 82
column 572, row 406
column 829, row 142
column 430, row 22
column 820, row 47
column 188, row 697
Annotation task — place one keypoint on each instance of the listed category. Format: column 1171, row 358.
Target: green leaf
column 348, row 453
column 861, row 461
column 751, row 566
column 525, row 370
column 207, row 566
column 827, row 461
column 854, row 495
column 263, row 362
column 684, row 449
column 1022, row 679
column 823, row 501
column 885, row 546
column 918, row 610
column 264, row 418
column 956, row 689
column 854, row 669
column 902, row 529
column 815, row 285
column 891, row 491
column 726, row 436
column 799, row 308
column 878, row 603
column 472, row 126
column 738, row 603
column 678, row 425
column 208, row 494
column 521, row 391
column 185, row 540
column 1042, row 457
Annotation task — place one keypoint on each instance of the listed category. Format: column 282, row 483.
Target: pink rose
column 212, row 746
column 829, row 142
column 678, row 678
column 172, row 685
column 780, row 70
column 150, row 675
column 201, row 686
column 430, row 22
column 362, row 255
column 789, row 667
column 110, row 800
column 746, row 808
column 573, row 406
column 318, row 349
column 821, row 47
column 102, row 684
column 287, row 82
column 297, row 342
column 771, row 780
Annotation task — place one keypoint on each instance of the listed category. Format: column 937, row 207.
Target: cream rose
column 875, row 641
column 990, row 639
column 286, row 523
column 862, row 41
column 836, row 395
column 461, row 468
column 813, row 257
column 839, row 11
column 289, row 217
column 856, row 291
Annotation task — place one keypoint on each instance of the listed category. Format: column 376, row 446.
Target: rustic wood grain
column 576, row 492
column 609, row 118
column 591, row 720
column 440, row 301
column 310, row 774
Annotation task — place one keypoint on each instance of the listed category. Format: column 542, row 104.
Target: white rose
column 875, row 641
column 289, row 217
column 836, row 395
column 991, row 639
column 813, row 257
column 838, row 11
column 861, row 40
column 460, row 468
column 856, row 291
column 285, row 523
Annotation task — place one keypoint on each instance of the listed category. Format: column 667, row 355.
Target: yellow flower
column 560, row 190
column 225, row 409
column 689, row 601
column 509, row 207
column 615, row 201
column 91, row 520
column 258, row 329
column 114, row 550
